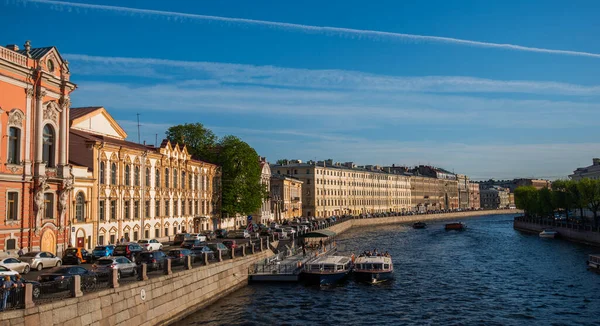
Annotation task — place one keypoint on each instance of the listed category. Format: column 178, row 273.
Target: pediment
column 99, row 122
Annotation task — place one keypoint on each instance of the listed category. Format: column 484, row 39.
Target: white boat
column 594, row 262
column 325, row 270
column 373, row 269
column 548, row 234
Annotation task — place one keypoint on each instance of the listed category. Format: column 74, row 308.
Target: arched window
column 14, row 145
column 102, row 173
column 167, row 178
column 147, row 184
column 157, row 179
column 136, row 176
column 49, row 148
column 175, row 177
column 127, row 175
column 113, row 173
column 80, row 207
column 183, row 179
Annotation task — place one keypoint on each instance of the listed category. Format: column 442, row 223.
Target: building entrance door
column 48, row 242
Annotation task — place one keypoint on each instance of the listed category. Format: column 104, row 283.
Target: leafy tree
column 545, row 206
column 199, row 140
column 561, row 196
column 526, row 198
column 590, row 194
column 575, row 194
column 281, row 161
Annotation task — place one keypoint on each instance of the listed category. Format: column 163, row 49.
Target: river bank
column 565, row 231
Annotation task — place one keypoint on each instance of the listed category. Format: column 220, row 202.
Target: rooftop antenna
column 138, row 126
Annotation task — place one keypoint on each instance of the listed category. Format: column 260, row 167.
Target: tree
column 575, row 194
column 561, row 197
column 199, row 140
column 590, row 194
column 545, row 205
column 526, row 198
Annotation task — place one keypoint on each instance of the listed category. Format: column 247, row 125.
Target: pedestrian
column 122, row 239
column 6, row 288
column 20, row 253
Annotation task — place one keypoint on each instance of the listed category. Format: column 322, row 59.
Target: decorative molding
column 41, row 94
column 51, row 110
column 29, row 92
column 15, row 117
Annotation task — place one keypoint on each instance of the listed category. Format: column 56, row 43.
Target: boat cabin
column 328, row 264
column 373, row 263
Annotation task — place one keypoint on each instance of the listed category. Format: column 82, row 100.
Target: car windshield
column 59, row 270
column 71, row 251
column 100, row 248
column 104, row 262
column 30, row 254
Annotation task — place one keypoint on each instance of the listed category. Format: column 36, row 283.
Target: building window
column 190, row 183
column 127, row 175
column 197, row 207
column 156, row 208
column 102, row 172
column 136, row 176
column 113, row 210
column 166, row 178
column 157, row 179
column 147, row 177
column 166, row 208
column 11, row 244
column 113, row 174
column 147, row 208
column 166, row 232
column 136, row 209
column 183, row 179
column 100, row 239
column 175, row 177
column 157, row 233
column 135, row 235
column 126, row 209
column 80, row 207
column 190, row 212
column 146, row 234
column 12, row 208
column 49, row 148
column 112, row 239
column 102, row 210
column 49, row 206
column 14, row 146
column 174, row 230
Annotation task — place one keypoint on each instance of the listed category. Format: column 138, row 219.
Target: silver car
column 40, row 259
column 16, row 265
column 123, row 265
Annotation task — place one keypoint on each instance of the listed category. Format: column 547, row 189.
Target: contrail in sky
column 318, row 29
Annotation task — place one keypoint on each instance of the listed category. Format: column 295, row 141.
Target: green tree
column 575, row 194
column 590, row 194
column 199, row 140
column 526, row 198
column 561, row 196
column 545, row 205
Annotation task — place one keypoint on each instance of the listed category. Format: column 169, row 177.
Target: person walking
column 20, row 253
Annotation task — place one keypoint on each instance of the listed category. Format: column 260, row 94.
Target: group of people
column 375, row 253
column 8, row 288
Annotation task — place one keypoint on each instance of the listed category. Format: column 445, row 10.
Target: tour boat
column 326, row 270
column 594, row 262
column 455, row 226
column 548, row 234
column 373, row 269
column 419, row 225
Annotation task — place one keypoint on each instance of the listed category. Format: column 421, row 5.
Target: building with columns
column 35, row 177
column 264, row 214
column 286, row 197
column 139, row 191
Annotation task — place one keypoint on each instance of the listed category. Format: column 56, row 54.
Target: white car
column 5, row 271
column 16, row 265
column 150, row 244
column 197, row 236
column 41, row 259
column 289, row 231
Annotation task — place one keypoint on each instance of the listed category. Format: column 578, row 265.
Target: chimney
column 596, row 161
column 13, row 47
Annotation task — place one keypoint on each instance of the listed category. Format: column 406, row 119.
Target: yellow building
column 286, row 197
column 139, row 191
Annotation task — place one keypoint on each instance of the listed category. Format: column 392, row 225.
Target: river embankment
column 568, row 231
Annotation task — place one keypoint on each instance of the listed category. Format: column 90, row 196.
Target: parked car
column 197, row 236
column 102, row 251
column 189, row 243
column 180, row 238
column 41, row 259
column 198, row 253
column 177, row 255
column 221, row 233
column 210, row 235
column 154, row 259
column 123, row 266
column 15, row 265
column 5, row 271
column 128, row 250
column 150, row 244
column 231, row 244
column 76, row 256
column 62, row 274
column 215, row 247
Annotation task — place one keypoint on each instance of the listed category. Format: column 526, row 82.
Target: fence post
column 168, row 270
column 188, row 262
column 75, row 286
column 114, row 279
column 205, row 258
column 28, row 296
column 232, row 253
column 261, row 244
column 244, row 251
column 143, row 272
column 252, row 247
column 220, row 255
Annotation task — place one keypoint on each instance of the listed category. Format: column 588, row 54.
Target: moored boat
column 593, row 262
column 548, row 234
column 455, row 226
column 419, row 225
column 373, row 269
column 326, row 270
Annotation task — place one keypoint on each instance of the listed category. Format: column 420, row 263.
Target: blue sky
column 369, row 88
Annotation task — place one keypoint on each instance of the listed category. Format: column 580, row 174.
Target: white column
column 28, row 122
column 39, row 114
column 63, row 133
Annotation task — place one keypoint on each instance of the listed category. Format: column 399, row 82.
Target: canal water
column 489, row 274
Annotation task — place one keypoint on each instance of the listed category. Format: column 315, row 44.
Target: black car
column 128, row 250
column 216, row 247
column 60, row 277
column 188, row 244
column 199, row 252
column 76, row 256
column 178, row 255
column 154, row 259
column 221, row 233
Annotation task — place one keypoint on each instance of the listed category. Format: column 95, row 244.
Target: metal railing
column 53, row 291
column 13, row 298
column 547, row 222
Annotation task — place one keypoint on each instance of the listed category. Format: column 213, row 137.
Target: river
column 488, row 274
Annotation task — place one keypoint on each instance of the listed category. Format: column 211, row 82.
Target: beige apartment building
column 286, row 197
column 474, row 195
column 495, row 197
column 463, row 191
column 428, row 193
column 335, row 189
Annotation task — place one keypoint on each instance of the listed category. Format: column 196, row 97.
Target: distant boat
column 326, row 270
column 419, row 225
column 373, row 269
column 548, row 234
column 459, row 226
column 594, row 262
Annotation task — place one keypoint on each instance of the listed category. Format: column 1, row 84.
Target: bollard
column 75, row 286
column 244, row 251
column 167, row 270
column 143, row 273
column 205, row 258
column 252, row 245
column 114, row 280
column 29, row 296
column 188, row 262
column 261, row 244
column 232, row 253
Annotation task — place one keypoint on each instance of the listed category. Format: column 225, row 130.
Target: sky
column 491, row 89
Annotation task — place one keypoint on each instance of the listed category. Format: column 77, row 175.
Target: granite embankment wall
column 167, row 298
column 361, row 222
column 571, row 234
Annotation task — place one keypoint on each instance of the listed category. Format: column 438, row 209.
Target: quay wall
column 167, row 298
column 571, row 234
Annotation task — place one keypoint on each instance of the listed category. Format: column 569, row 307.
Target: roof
column 319, row 234
column 75, row 113
column 330, row 260
column 37, row 53
column 110, row 140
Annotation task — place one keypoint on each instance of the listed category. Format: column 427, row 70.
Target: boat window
column 386, row 266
